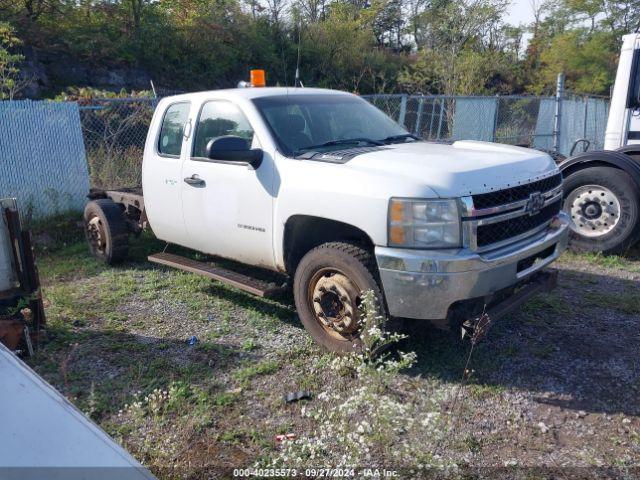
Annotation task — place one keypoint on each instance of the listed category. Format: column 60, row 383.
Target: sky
column 519, row 12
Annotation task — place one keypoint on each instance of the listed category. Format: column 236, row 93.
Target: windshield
column 321, row 123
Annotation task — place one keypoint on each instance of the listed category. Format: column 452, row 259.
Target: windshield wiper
column 344, row 141
column 397, row 138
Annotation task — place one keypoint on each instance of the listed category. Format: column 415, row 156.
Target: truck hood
column 462, row 168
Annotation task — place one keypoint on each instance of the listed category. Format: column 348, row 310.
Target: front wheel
column 604, row 204
column 327, row 288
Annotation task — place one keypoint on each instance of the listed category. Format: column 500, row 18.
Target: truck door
column 228, row 210
column 164, row 153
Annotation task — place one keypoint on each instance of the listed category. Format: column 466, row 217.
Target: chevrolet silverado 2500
column 322, row 186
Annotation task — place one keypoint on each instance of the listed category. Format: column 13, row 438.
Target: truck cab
column 623, row 126
column 602, row 188
column 322, row 186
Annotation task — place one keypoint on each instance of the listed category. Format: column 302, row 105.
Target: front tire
column 604, row 204
column 106, row 231
column 327, row 288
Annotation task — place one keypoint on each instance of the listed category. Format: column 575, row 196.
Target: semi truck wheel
column 106, row 231
column 604, row 204
column 327, row 288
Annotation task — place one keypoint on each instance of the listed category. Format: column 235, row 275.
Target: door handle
column 195, row 181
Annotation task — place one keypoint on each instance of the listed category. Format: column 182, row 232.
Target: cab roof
column 251, row 92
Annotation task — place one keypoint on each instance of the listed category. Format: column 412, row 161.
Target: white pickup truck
column 325, row 188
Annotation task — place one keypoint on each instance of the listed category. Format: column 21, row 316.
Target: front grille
column 500, row 231
column 515, row 194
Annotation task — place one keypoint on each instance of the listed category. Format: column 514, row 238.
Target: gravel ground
column 554, row 386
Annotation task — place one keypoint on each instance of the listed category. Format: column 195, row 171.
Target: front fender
column 632, row 151
column 602, row 158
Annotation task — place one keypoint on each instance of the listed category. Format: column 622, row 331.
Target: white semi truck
column 602, row 188
column 322, row 186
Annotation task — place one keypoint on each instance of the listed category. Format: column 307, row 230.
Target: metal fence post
column 495, row 119
column 419, row 116
column 403, row 109
column 585, row 115
column 440, row 119
column 558, row 114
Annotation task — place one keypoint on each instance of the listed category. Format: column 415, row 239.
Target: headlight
column 424, row 223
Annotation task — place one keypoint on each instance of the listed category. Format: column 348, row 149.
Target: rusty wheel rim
column 96, row 234
column 334, row 300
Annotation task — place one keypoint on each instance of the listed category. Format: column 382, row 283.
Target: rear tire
column 327, row 287
column 106, row 231
column 604, row 203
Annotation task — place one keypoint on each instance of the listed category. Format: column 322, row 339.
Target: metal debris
column 296, row 396
column 288, row 436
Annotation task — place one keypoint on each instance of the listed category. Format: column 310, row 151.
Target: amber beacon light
column 258, row 78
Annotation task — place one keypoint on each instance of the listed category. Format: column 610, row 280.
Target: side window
column 633, row 100
column 172, row 129
column 219, row 118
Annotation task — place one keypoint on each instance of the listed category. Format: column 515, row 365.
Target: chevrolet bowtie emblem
column 534, row 203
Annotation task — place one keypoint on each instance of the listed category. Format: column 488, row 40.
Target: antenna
column 297, row 81
column 153, row 88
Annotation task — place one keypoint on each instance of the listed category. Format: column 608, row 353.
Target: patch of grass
column 552, row 302
column 626, row 302
column 56, row 232
column 68, row 263
column 262, row 368
column 473, row 444
column 232, row 436
column 544, row 351
column 604, row 261
column 482, row 391
column 226, row 399
column 249, row 344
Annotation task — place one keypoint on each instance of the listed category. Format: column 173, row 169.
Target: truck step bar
column 238, row 280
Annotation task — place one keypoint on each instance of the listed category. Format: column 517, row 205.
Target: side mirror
column 231, row 148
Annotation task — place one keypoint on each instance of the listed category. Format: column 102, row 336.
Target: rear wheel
column 106, row 231
column 328, row 285
column 604, row 204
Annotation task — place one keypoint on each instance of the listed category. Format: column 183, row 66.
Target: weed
column 473, row 444
column 262, row 368
column 226, row 399
column 349, row 426
column 249, row 345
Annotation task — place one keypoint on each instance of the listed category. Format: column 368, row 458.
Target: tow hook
column 476, row 328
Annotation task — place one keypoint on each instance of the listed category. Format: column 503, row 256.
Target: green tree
column 11, row 82
column 588, row 60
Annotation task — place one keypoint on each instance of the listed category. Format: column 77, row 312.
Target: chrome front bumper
column 424, row 284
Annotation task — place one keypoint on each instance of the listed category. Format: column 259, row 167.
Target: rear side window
column 633, row 100
column 219, row 118
column 172, row 129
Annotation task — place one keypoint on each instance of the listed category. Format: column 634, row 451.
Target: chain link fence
column 43, row 158
column 115, row 130
column 547, row 123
